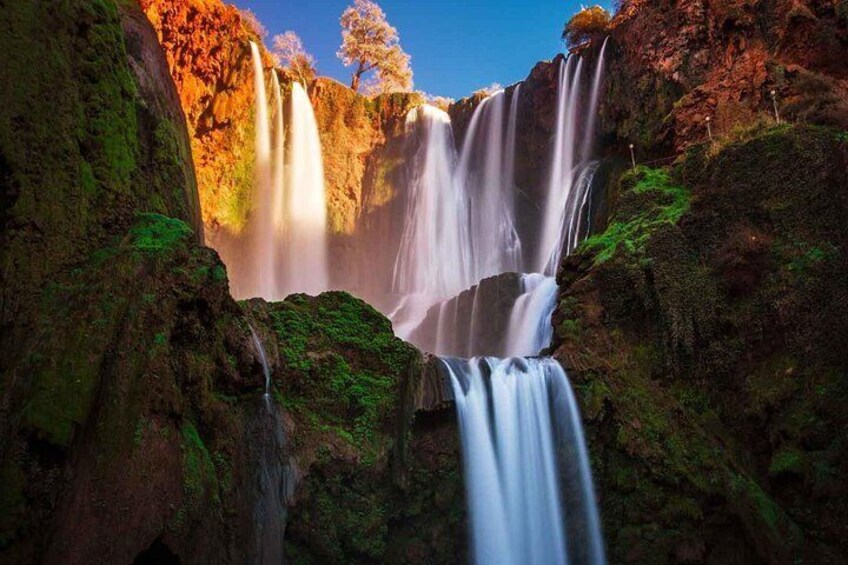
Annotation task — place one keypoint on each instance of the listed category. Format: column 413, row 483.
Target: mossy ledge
column 704, row 334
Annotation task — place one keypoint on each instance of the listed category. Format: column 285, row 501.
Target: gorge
column 253, row 315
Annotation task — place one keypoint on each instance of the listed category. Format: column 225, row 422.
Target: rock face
column 208, row 51
column 704, row 328
column 133, row 426
column 207, row 45
column 675, row 63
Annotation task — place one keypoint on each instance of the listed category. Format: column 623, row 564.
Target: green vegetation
column 200, row 482
column 155, row 233
column 346, row 365
column 649, row 201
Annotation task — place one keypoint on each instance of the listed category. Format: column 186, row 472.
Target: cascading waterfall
column 516, row 416
column 433, row 257
column 528, row 480
column 306, row 208
column 571, row 171
column 485, row 174
column 530, row 328
column 261, row 278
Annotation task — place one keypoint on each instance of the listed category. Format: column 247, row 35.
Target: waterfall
column 433, row 257
column 484, row 173
column 272, row 476
column 569, row 179
column 305, row 207
column 263, row 359
column 530, row 328
column 516, row 417
column 284, row 249
column 264, row 241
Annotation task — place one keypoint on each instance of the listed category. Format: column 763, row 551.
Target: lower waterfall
column 521, row 433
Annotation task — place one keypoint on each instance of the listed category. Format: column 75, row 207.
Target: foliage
column 665, row 203
column 371, row 44
column 585, row 25
column 289, row 51
column 155, row 233
column 440, row 102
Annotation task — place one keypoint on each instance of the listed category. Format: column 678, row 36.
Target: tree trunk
column 357, row 76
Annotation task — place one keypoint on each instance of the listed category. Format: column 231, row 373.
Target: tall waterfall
column 528, row 480
column 485, row 174
column 459, row 226
column 306, row 208
column 571, row 171
column 433, row 257
column 284, row 246
column 520, row 429
column 261, row 278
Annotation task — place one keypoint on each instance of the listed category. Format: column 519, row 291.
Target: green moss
column 787, row 461
column 660, row 203
column 155, row 233
column 345, row 365
column 199, row 478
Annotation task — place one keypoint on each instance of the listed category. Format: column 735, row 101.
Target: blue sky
column 457, row 46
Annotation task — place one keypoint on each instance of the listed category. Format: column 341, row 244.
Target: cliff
column 704, row 330
column 134, row 427
column 672, row 64
column 208, row 51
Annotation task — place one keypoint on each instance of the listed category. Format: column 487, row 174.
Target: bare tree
column 371, row 44
column 289, row 51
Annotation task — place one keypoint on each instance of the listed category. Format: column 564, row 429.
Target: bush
column 585, row 25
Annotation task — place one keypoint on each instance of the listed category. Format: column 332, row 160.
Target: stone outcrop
column 672, row 64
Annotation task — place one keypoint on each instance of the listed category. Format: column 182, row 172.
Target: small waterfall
column 530, row 328
column 306, row 208
column 516, row 417
column 272, row 476
column 569, row 179
column 266, row 370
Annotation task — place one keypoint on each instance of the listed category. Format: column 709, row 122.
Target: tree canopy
column 289, row 51
column 371, row 44
column 586, row 24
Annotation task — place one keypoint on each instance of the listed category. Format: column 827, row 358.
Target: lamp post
column 632, row 156
column 774, row 101
column 709, row 129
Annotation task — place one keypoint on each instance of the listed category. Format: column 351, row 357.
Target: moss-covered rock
column 703, row 331
column 378, row 465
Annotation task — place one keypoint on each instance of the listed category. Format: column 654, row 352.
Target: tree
column 289, row 51
column 585, row 25
column 370, row 43
column 253, row 24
